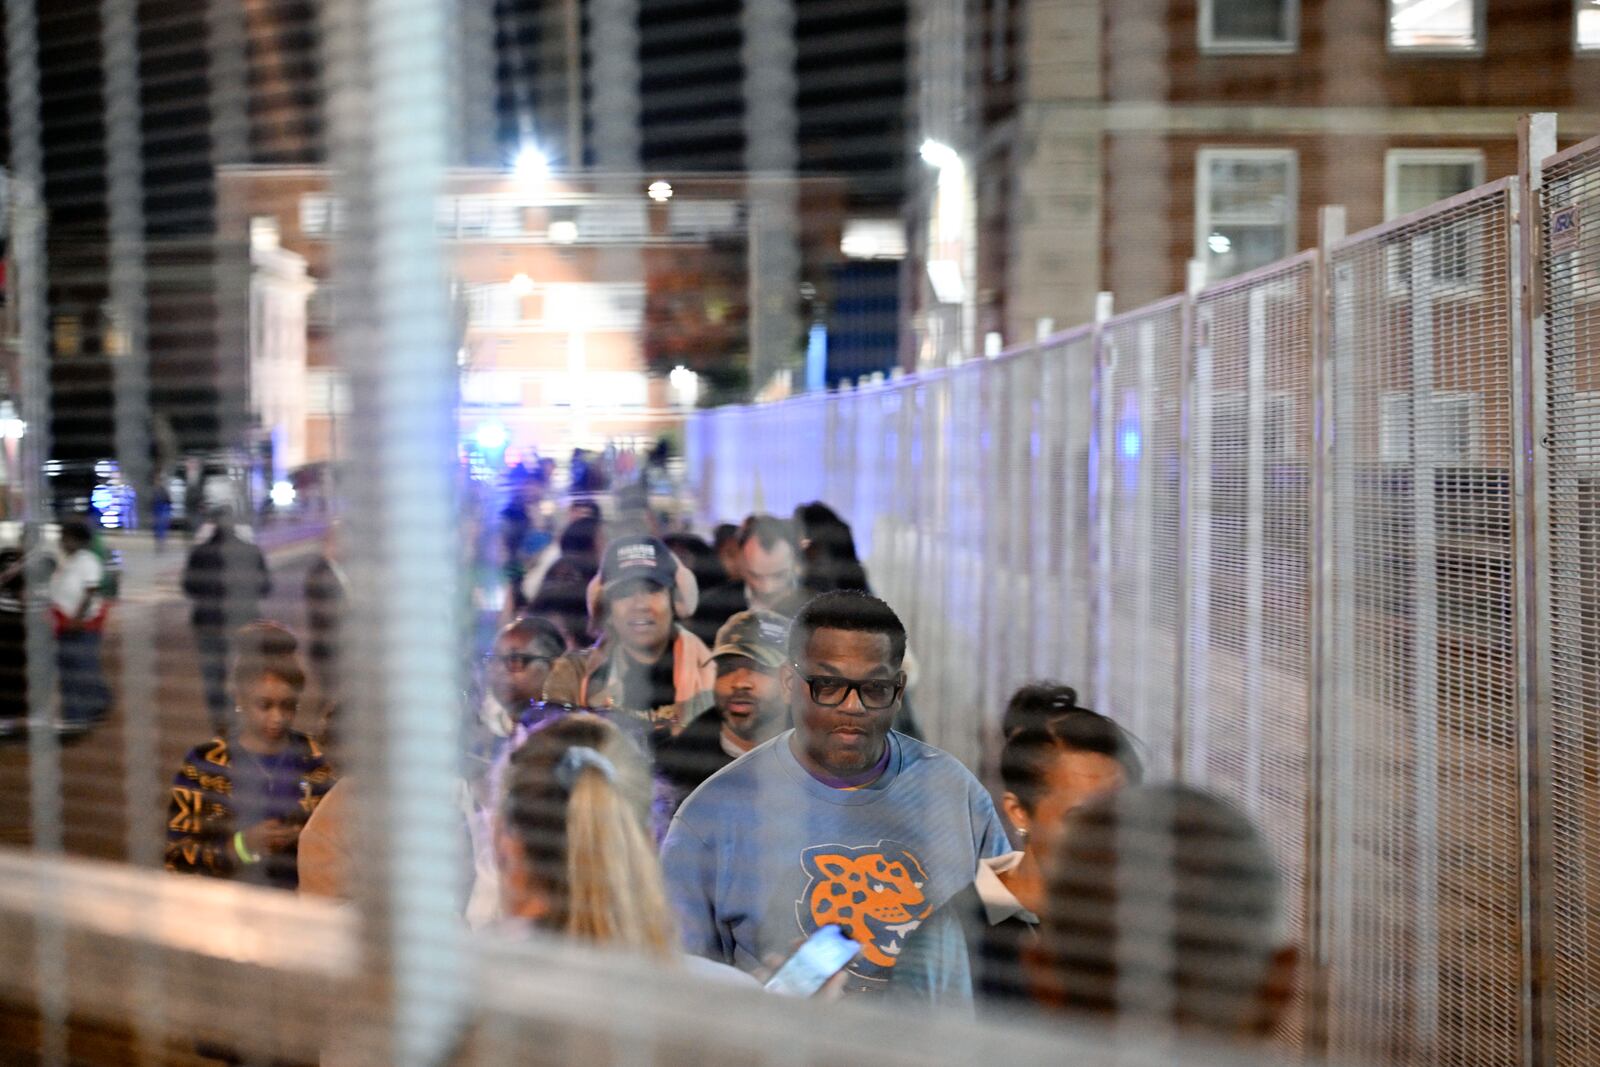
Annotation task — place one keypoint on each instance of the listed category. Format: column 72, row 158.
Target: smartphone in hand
column 822, row 955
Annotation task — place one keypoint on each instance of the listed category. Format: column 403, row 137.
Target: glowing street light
column 521, row 285
column 660, row 192
column 940, row 155
column 531, row 167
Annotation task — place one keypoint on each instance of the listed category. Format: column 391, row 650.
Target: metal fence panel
column 1425, row 896
column 1571, row 264
column 1062, row 579
column 1247, row 726
column 1142, row 381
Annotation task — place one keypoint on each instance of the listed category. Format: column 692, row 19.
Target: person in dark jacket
column 750, row 704
column 1163, row 911
column 693, row 552
column 563, row 593
column 828, row 558
column 325, row 594
column 225, row 580
column 13, row 642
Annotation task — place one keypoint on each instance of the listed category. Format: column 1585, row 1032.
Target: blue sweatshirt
column 762, row 854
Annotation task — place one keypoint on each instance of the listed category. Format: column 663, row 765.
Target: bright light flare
column 940, row 155
column 491, row 437
column 530, row 167
column 282, row 495
column 660, row 192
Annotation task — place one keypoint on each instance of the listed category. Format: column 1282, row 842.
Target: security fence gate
column 1326, row 538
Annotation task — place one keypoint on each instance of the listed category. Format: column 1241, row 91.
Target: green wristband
column 245, row 854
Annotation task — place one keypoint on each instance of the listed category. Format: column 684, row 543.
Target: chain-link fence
column 1298, row 533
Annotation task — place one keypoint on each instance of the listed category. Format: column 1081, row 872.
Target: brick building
column 1109, row 143
column 576, row 303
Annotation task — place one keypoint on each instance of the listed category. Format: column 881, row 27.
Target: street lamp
column 940, row 155
column 530, row 168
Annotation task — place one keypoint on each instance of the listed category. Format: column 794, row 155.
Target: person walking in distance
column 326, row 592
column 770, row 564
column 78, row 614
column 840, row 821
column 225, row 580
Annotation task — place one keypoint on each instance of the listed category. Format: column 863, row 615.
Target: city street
column 151, row 618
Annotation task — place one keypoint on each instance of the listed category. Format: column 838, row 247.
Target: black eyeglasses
column 517, row 661
column 829, row 691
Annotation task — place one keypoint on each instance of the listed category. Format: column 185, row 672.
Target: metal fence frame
column 1532, row 1008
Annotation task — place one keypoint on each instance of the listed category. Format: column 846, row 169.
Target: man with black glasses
column 839, row 821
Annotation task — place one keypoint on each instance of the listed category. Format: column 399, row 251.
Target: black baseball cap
column 637, row 557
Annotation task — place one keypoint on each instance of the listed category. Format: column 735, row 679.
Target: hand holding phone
column 822, row 955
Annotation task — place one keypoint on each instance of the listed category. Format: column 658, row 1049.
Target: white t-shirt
column 77, row 576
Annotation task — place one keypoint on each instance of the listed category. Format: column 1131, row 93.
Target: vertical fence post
column 137, row 697
column 33, row 366
column 1319, row 601
column 388, row 100
column 1536, row 141
column 1197, row 602
column 1190, row 467
column 1101, row 466
column 1255, row 495
column 1425, row 451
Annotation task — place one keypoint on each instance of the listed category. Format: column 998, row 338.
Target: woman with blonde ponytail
column 574, row 851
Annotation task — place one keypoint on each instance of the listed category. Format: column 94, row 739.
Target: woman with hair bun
column 573, row 845
column 573, row 849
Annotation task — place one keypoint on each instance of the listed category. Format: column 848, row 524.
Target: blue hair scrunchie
column 575, row 759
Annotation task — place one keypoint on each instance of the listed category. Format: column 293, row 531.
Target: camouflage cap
column 757, row 635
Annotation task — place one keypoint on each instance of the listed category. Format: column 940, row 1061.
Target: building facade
column 577, row 303
column 1110, row 144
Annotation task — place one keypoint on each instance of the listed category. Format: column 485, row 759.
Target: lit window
column 1587, row 26
column 1244, row 208
column 493, row 305
column 1416, row 178
column 1249, row 25
column 1436, row 25
column 319, row 215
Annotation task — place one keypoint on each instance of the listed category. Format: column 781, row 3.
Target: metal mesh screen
column 268, row 258
column 1247, row 725
column 1062, row 564
column 1572, row 382
column 1141, row 477
column 1425, row 894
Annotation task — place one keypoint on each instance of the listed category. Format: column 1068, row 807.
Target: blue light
column 817, row 358
column 1129, row 440
column 106, row 501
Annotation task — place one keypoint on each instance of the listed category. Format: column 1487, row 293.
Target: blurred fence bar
column 1330, row 455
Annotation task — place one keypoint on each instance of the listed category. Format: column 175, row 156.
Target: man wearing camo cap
column 750, row 706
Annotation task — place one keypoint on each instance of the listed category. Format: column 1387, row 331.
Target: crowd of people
column 702, row 752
